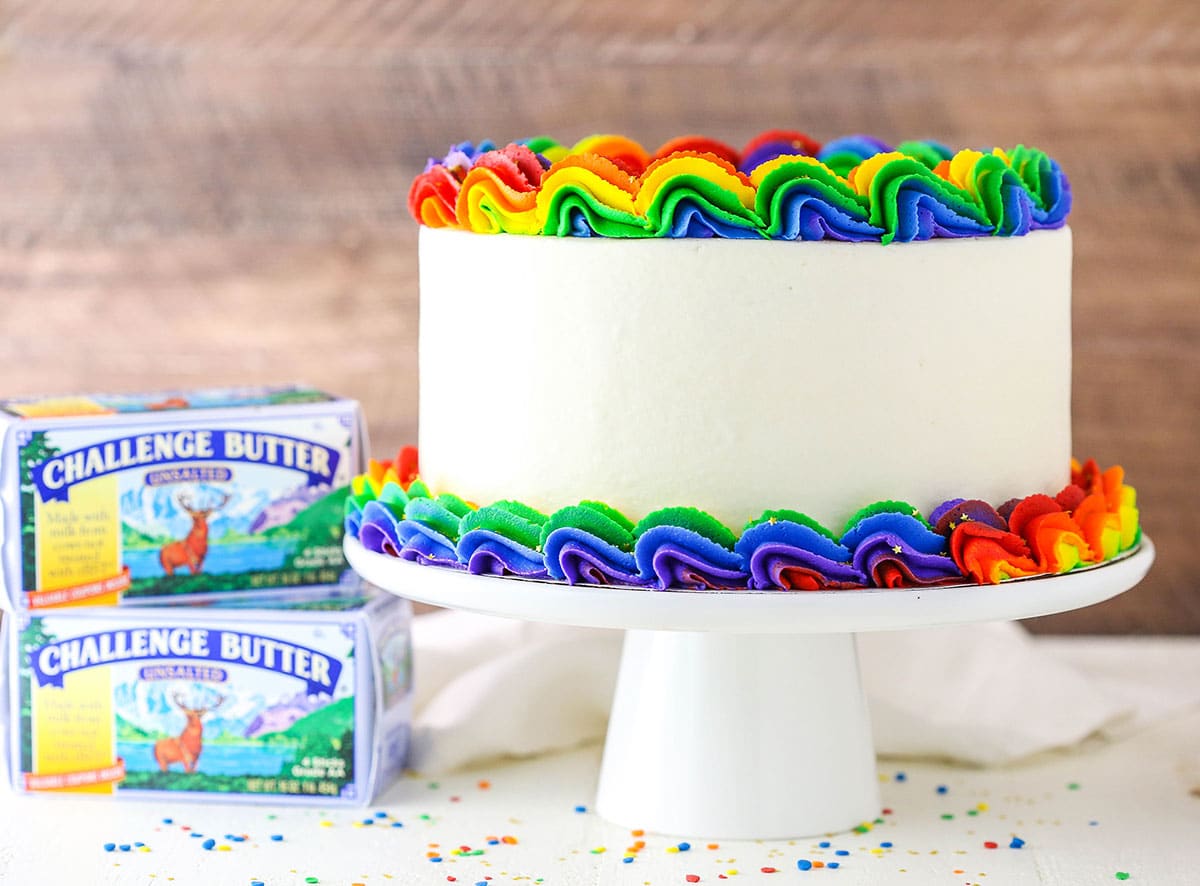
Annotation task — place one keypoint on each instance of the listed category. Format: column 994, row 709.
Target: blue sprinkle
column 168, row 821
column 368, row 821
column 824, row 844
column 278, row 838
column 833, row 864
column 139, row 845
column 124, row 847
column 581, row 809
column 194, row 834
column 942, row 789
column 1093, row 823
column 1016, row 843
column 804, row 864
column 397, row 824
column 109, row 847
column 493, row 842
column 684, row 847
column 842, row 852
column 900, row 776
column 436, row 859
column 257, row 883
column 885, row 845
column 381, row 815
column 628, row 859
column 209, row 843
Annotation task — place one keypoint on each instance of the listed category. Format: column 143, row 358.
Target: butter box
column 110, row 498
column 300, row 698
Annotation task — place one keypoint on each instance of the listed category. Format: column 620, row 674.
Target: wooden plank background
column 213, row 193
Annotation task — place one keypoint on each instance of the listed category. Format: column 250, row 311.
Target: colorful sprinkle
column 1122, row 875
column 804, row 864
column 209, row 843
column 581, row 809
column 1016, row 843
column 942, row 789
column 988, row 844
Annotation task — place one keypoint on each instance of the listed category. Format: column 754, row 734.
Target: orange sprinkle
column 818, row 864
column 640, row 844
column 511, row 841
column 484, row 785
column 638, row 833
column 713, row 846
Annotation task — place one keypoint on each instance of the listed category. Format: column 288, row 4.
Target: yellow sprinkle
column 732, row 872
column 672, row 849
column 326, row 823
column 224, row 848
column 982, row 807
column 599, row 850
column 143, row 848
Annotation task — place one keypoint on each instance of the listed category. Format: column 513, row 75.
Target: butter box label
column 143, row 503
column 192, row 701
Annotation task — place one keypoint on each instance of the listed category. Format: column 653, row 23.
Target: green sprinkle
column 1122, row 875
column 1074, row 786
column 972, row 812
column 311, row 880
column 946, row 816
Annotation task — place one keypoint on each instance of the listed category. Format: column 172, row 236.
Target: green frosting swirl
column 512, row 519
column 693, row 519
column 599, row 521
column 786, row 515
column 884, row 507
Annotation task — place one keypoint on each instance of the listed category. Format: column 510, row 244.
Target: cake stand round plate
column 740, row 714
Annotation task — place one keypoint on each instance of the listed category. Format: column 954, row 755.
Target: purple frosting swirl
column 770, row 548
column 673, row 557
column 578, row 557
column 891, row 561
column 489, row 553
column 378, row 531
column 426, row 546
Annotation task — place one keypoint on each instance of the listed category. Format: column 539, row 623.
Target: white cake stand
column 740, row 714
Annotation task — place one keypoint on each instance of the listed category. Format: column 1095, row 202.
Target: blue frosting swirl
column 671, row 556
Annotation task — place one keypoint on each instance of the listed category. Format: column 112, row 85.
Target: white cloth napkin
column 982, row 694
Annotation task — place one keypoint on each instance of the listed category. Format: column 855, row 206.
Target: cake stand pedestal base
column 692, row 749
column 740, row 714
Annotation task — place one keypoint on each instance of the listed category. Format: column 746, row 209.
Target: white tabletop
column 1128, row 806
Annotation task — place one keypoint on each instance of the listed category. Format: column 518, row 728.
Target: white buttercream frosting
column 741, row 375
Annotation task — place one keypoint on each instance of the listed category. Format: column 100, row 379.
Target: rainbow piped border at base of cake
column 887, row 544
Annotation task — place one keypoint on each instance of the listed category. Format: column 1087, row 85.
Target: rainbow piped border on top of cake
column 888, row 544
column 782, row 185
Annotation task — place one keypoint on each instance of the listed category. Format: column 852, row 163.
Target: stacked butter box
column 181, row 621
